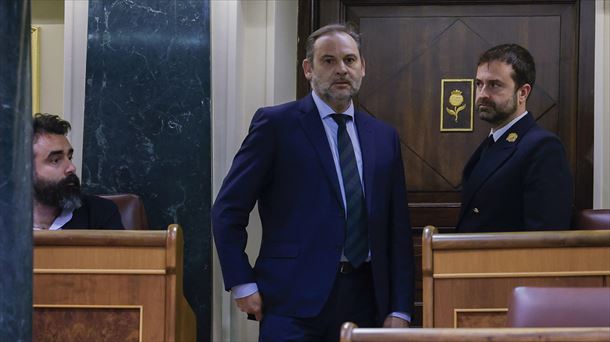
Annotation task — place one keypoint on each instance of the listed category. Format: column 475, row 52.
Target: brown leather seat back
column 131, row 209
column 587, row 219
column 539, row 307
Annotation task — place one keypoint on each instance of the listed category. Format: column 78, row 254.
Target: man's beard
column 64, row 194
column 327, row 93
column 496, row 114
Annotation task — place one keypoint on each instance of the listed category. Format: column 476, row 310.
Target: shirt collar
column 62, row 219
column 497, row 134
column 325, row 110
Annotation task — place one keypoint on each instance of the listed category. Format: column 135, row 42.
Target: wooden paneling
column 147, row 291
column 57, row 258
column 519, row 262
column 91, row 324
column 485, row 293
column 94, row 275
column 474, row 274
column 470, row 318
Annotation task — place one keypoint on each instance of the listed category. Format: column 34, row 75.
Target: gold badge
column 512, row 137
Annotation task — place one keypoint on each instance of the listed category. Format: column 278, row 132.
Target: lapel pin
column 512, row 137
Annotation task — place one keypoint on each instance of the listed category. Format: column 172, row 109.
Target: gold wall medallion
column 457, row 105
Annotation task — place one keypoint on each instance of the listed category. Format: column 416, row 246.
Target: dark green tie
column 356, row 247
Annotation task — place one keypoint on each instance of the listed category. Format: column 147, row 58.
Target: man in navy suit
column 518, row 179
column 329, row 182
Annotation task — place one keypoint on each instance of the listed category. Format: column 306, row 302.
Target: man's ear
column 307, row 69
column 524, row 92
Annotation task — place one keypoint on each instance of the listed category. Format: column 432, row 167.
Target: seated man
column 58, row 202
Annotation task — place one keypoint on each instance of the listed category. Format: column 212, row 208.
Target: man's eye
column 350, row 60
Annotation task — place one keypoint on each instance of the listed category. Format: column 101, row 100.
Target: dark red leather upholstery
column 538, row 307
column 131, row 209
column 588, row 219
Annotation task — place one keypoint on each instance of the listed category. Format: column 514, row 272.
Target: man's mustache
column 486, row 103
column 71, row 181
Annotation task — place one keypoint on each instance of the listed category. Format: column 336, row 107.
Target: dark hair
column 49, row 124
column 348, row 28
column 524, row 68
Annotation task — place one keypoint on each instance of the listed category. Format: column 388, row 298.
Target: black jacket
column 95, row 213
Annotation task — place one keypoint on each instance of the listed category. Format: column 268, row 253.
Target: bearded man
column 518, row 179
column 330, row 187
column 58, row 201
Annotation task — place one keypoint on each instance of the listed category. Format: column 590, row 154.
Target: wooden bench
column 468, row 278
column 105, row 285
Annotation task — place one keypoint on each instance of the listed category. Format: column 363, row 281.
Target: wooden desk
column 351, row 333
column 468, row 278
column 94, row 285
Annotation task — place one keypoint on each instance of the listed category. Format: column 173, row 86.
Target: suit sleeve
column 238, row 194
column 548, row 188
column 402, row 263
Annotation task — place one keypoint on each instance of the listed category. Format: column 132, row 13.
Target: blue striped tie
column 356, row 241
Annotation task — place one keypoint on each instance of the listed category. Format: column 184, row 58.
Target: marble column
column 15, row 172
column 147, row 121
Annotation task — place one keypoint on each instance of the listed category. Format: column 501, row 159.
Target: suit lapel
column 367, row 147
column 314, row 130
column 495, row 156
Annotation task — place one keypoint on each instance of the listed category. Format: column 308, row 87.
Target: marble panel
column 15, row 172
column 147, row 121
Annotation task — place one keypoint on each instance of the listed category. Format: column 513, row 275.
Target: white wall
column 253, row 63
column 601, row 149
column 75, row 63
column 48, row 15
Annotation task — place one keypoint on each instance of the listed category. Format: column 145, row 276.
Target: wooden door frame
column 309, row 19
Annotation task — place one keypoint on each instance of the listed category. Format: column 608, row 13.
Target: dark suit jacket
column 285, row 164
column 520, row 185
column 95, row 213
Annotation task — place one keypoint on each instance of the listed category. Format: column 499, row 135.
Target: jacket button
column 475, row 210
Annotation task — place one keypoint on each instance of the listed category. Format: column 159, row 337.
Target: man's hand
column 395, row 322
column 252, row 304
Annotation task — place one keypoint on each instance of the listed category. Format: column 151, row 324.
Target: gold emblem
column 457, row 101
column 512, row 137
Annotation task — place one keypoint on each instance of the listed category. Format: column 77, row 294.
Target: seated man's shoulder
column 98, row 202
column 103, row 211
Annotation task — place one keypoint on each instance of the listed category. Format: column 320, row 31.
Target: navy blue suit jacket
column 285, row 164
column 521, row 185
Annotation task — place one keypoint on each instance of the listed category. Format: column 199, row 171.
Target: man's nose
column 71, row 168
column 341, row 68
